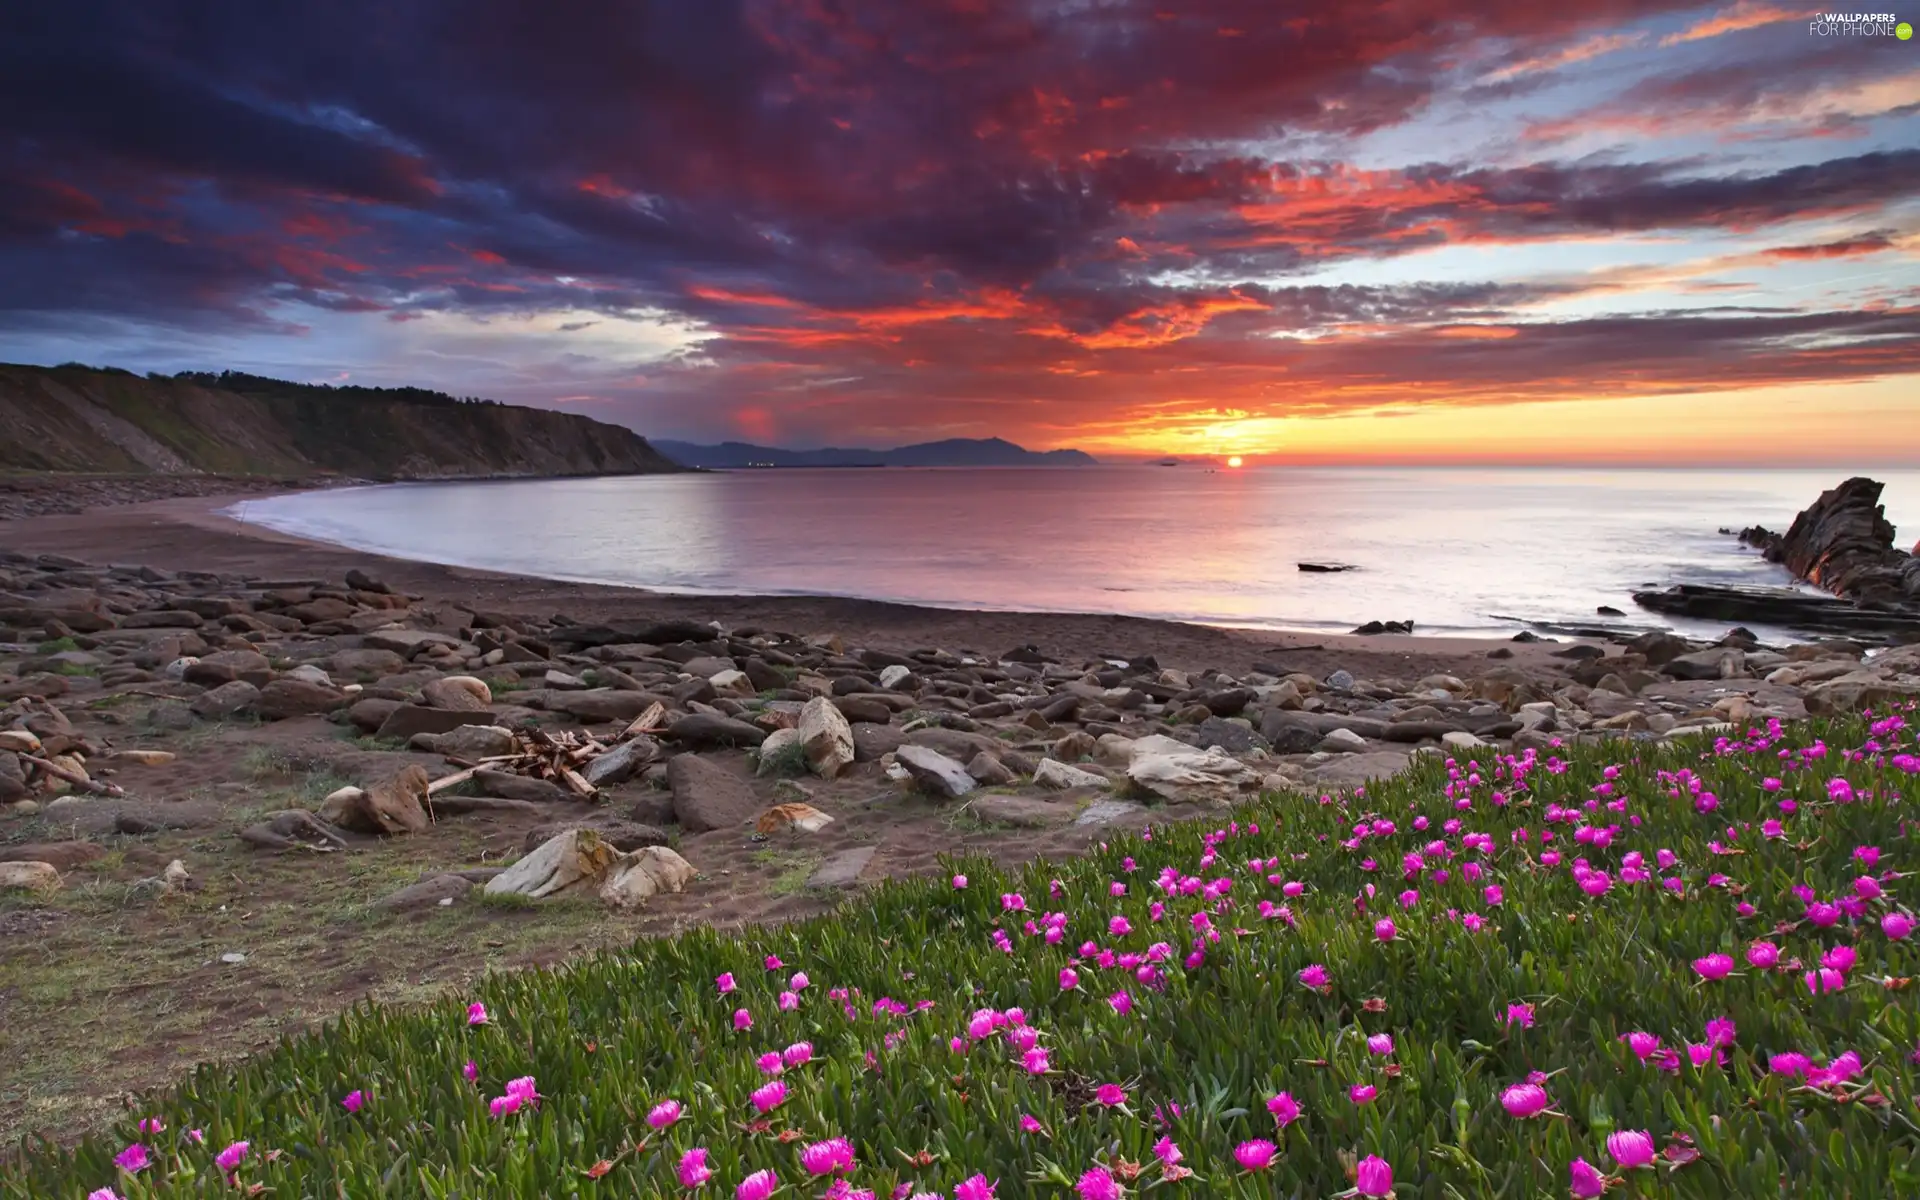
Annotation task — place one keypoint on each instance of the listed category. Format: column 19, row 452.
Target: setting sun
column 1234, row 461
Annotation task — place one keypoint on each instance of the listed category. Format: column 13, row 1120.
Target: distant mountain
column 953, row 452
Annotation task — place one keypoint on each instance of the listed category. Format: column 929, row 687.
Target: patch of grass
column 72, row 669
column 506, row 900
column 57, row 645
column 787, row 762
column 368, row 741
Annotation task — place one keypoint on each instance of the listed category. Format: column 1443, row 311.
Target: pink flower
column 693, row 1168
column 742, row 1019
column 133, row 1159
column 1631, row 1148
column 1122, row 1003
column 1362, row 1093
column 1373, row 1177
column 1069, row 979
column 757, row 1186
column 477, row 1013
column 724, row 982
column 1035, row 1061
column 1166, row 1151
column 1098, row 1184
column 103, row 1194
column 824, row 1158
column 773, row 962
column 1521, row 1015
column 1525, row 1100
column 664, row 1114
column 1255, row 1155
column 1030, row 1123
column 1642, row 1044
column 1384, row 929
column 960, row 882
column 975, row 1188
column 1826, row 979
column 1587, row 1180
column 1110, row 1094
column 353, row 1101
column 1315, row 976
column 797, row 1055
column 1713, row 966
column 1285, row 1109
column 1763, row 955
column 1840, row 958
column 471, row 1071
column 1380, row 1043
column 1119, row 926
column 152, row 1125
column 1897, row 925
column 769, row 1096
column 770, row 1063
column 232, row 1156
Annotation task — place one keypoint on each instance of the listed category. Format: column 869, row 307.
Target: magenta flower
column 1285, row 1109
column 1763, row 955
column 724, row 982
column 770, row 1096
column 693, row 1168
column 103, row 1194
column 960, row 882
column 1384, row 929
column 1713, row 966
column 1098, row 1184
column 231, row 1157
column 797, row 1055
column 354, row 1101
column 1631, row 1148
column 1362, row 1093
column 1525, row 1100
column 1119, row 926
column 1521, row 1015
column 1826, row 979
column 1166, row 1151
column 1642, row 1044
column 1380, row 1043
column 1110, row 1094
column 742, row 1019
column 1373, row 1177
column 1069, row 979
column 757, row 1186
column 1035, row 1061
column 664, row 1114
column 152, row 1125
column 1897, row 925
column 477, row 1013
column 824, row 1158
column 975, row 1188
column 1255, row 1155
column 1122, row 1003
column 1587, row 1180
column 1315, row 976
column 1030, row 1123
column 773, row 962
column 133, row 1159
column 770, row 1063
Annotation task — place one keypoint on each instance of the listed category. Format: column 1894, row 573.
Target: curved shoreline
column 193, row 533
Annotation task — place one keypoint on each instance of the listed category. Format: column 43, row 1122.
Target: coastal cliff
column 106, row 421
column 1843, row 543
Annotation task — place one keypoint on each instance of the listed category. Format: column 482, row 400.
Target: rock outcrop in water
column 1843, row 543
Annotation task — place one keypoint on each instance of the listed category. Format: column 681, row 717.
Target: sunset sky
column 1417, row 230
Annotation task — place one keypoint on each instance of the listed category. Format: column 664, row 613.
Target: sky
column 1616, row 231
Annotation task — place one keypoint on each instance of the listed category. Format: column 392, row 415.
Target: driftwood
column 75, row 778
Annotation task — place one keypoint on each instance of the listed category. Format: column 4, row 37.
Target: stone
column 1353, row 769
column 1074, row 746
column 1231, row 736
column 406, row 642
column 1460, row 739
column 804, row 817
column 462, row 692
column 468, row 741
column 365, row 663
column 1342, row 741
column 508, row 786
column 1845, row 695
column 989, row 771
column 576, row 857
column 225, row 666
column 624, row 836
column 161, row 619
column 873, row 742
column 934, row 772
column 286, row 698
column 406, row 720
column 225, row 700
column 843, row 870
column 602, row 704
column 62, row 856
column 1180, row 774
column 1021, row 812
column 1059, row 776
column 649, row 871
column 708, row 796
column 321, row 610
column 437, row 891
column 1108, row 812
column 294, row 829
column 1717, row 663
column 827, row 738
column 29, row 877
column 142, row 758
column 894, row 675
column 19, row 741
column 368, row 715
column 622, row 762
column 731, row 682
column 396, row 806
column 1416, row 731
column 705, row 729
column 870, row 709
column 1340, row 681
column 1286, row 733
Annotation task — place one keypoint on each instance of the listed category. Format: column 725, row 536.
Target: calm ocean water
column 1458, row 551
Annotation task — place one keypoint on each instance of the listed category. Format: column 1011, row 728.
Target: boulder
column 873, row 742
column 468, row 741
column 1288, row 733
column 225, row 666
column 1021, row 812
column 622, row 762
column 804, row 817
column 624, row 836
column 508, row 786
column 365, row 663
column 1849, row 693
column 863, row 708
column 1843, row 543
column 405, row 720
column 62, row 856
column 934, row 772
column 1460, row 739
column 1342, row 741
column 649, row 871
column 285, row 698
column 1058, row 776
column 1231, row 736
column 295, row 829
column 462, row 692
column 827, row 737
column 843, row 870
column 989, row 770
column 706, row 729
column 1353, row 769
column 396, row 806
column 1180, row 774
column 368, row 715
column 406, row 642
column 577, row 857
column 435, row 891
column 1720, row 662
column 28, row 877
column 226, row 699
column 707, row 795
column 602, row 704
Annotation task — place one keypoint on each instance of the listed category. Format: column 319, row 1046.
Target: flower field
column 1638, row 969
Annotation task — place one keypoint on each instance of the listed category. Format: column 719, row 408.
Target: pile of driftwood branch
column 558, row 758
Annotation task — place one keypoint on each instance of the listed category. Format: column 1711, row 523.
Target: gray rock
column 873, row 742
column 437, row 891
column 1340, row 681
column 226, row 699
column 624, row 836
column 224, row 666
column 286, row 698
column 989, row 770
column 622, row 762
column 1231, row 736
column 1343, row 741
column 1021, row 812
column 706, row 729
column 406, row 720
column 843, row 870
column 1059, row 776
column 1288, row 733
column 934, row 772
column 406, row 642
column 1107, row 812
column 508, row 786
column 1351, row 769
column 708, row 796
column 468, row 741
column 601, row 704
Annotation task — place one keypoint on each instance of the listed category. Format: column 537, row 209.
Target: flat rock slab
column 1108, row 812
column 1022, row 812
column 409, row 719
column 708, row 796
column 428, row 893
column 1355, row 769
column 843, row 870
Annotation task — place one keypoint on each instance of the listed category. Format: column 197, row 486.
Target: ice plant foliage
column 1683, row 968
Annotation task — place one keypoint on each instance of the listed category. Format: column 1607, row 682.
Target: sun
column 1234, row 461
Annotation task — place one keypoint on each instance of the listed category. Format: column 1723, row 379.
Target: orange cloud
column 1593, row 47
column 1744, row 15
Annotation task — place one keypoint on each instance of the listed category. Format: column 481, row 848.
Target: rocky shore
column 35, row 494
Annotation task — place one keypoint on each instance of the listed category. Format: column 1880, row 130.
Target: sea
column 1458, row 551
